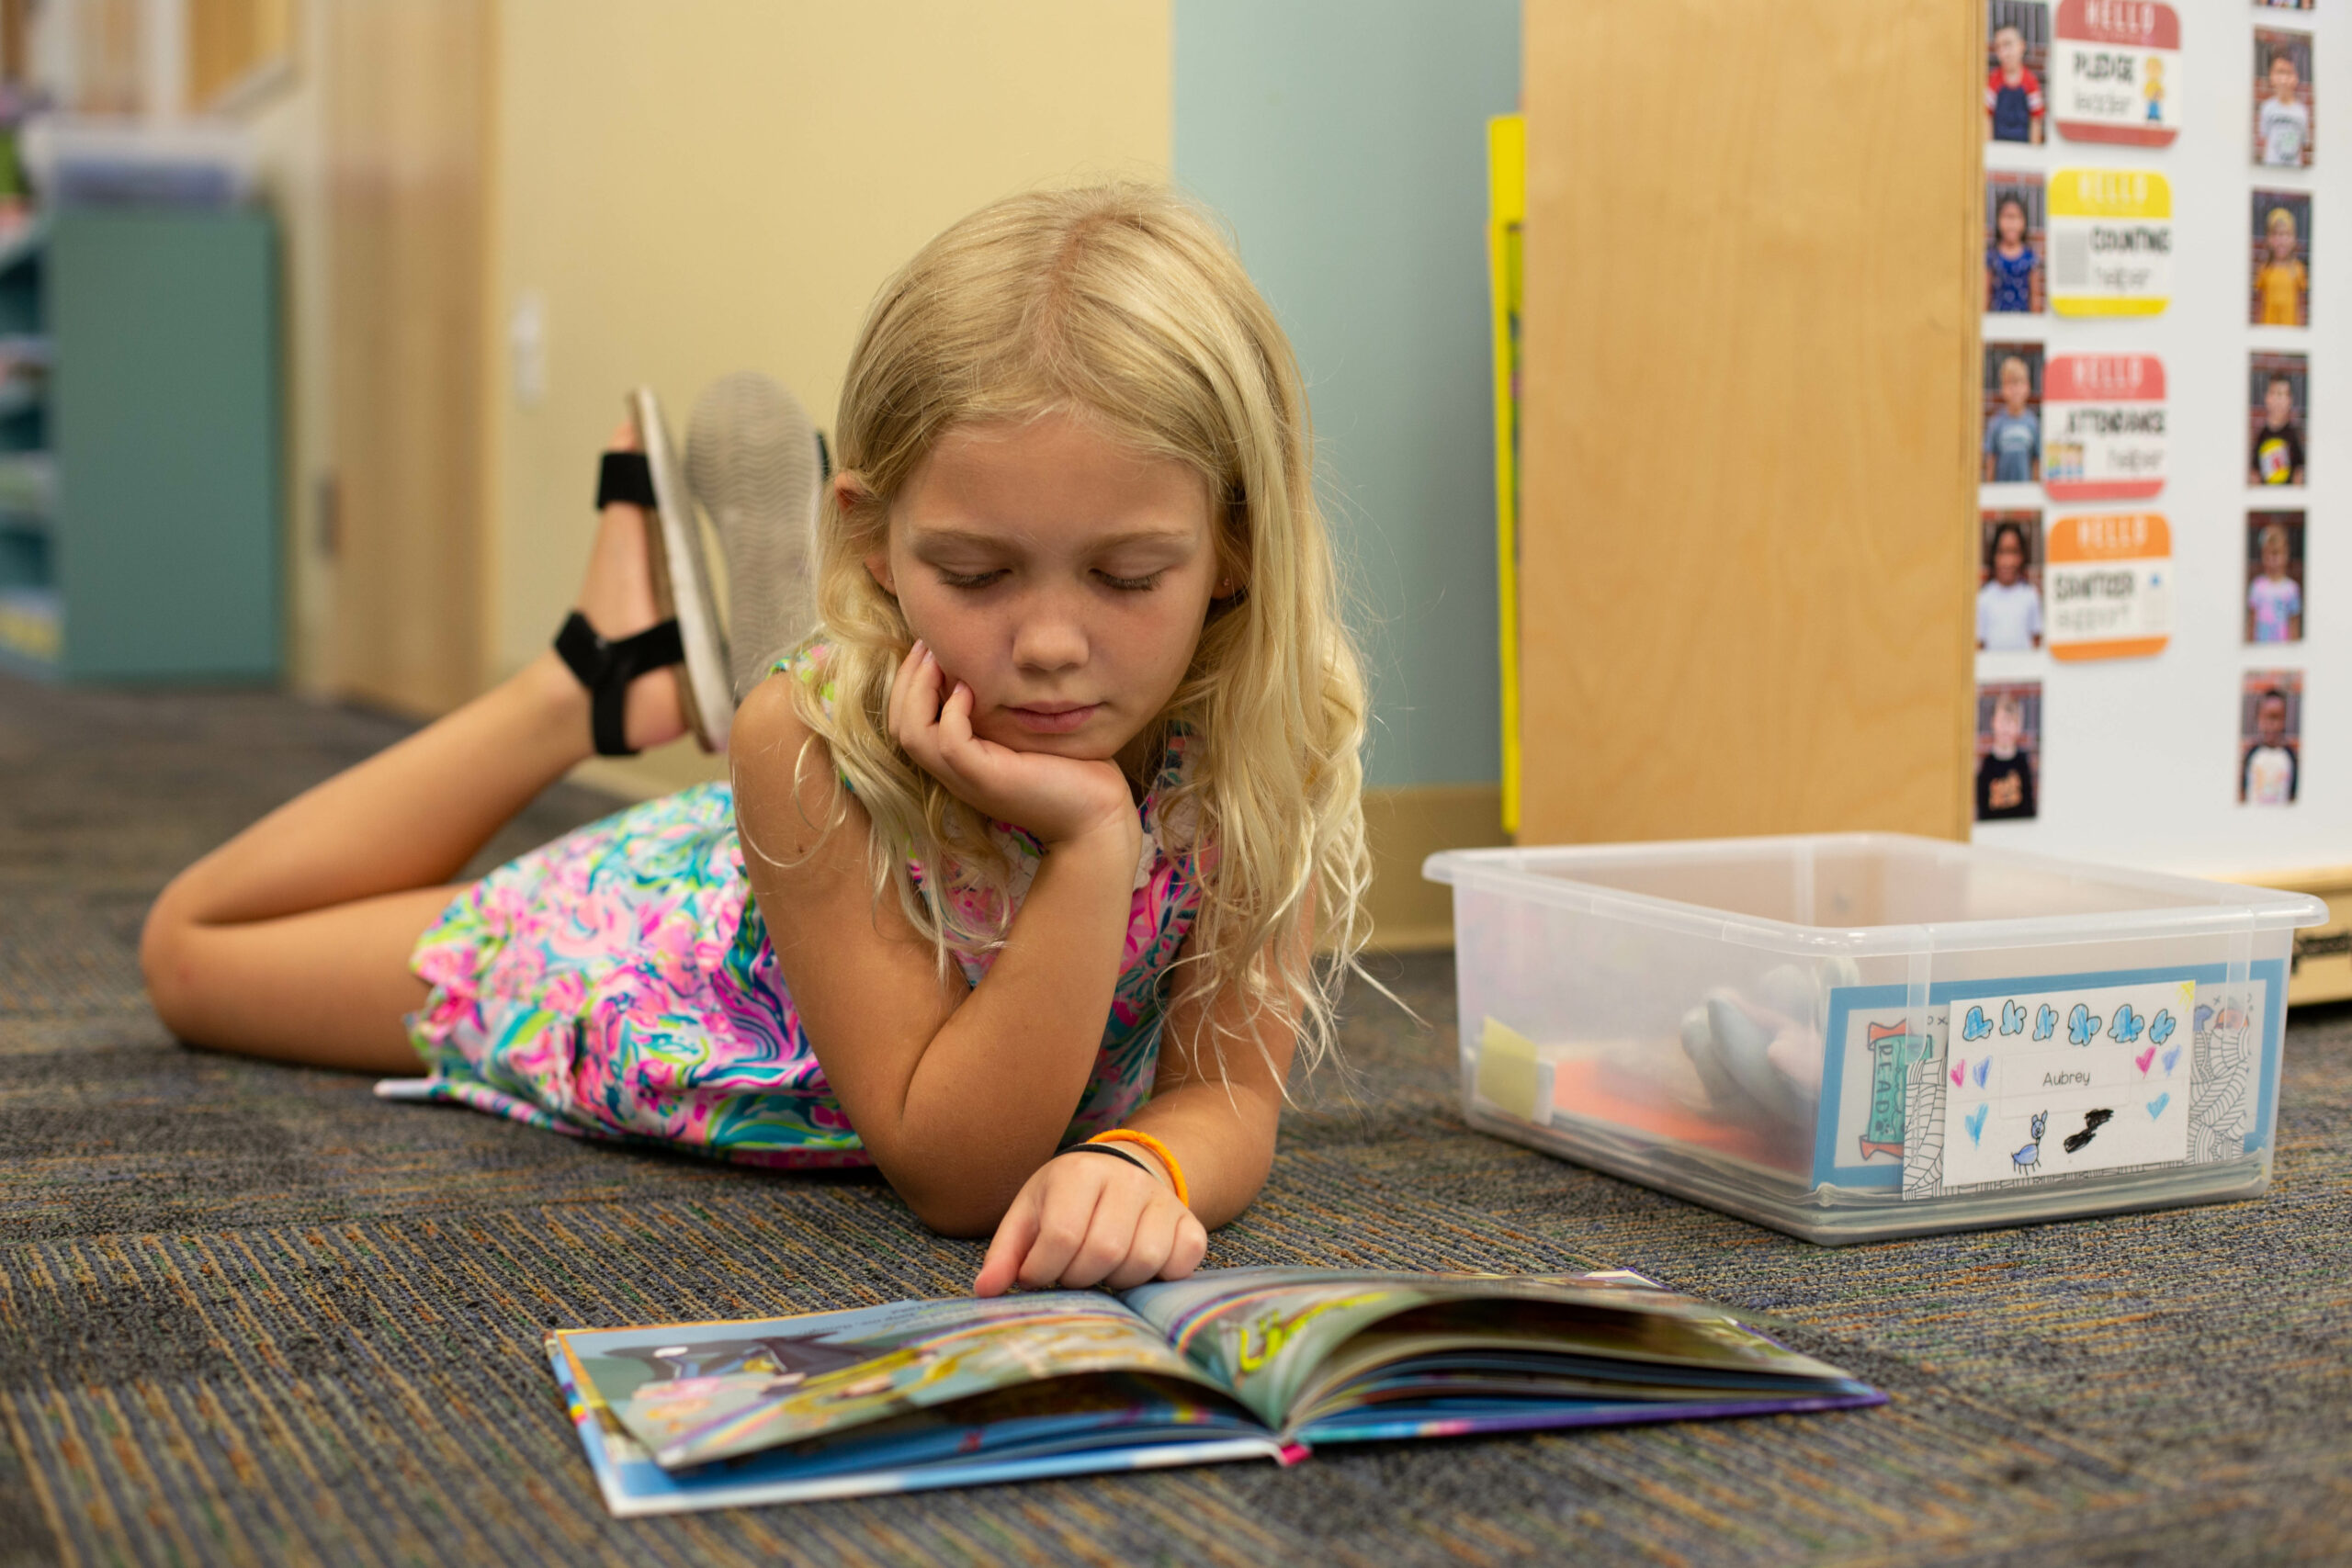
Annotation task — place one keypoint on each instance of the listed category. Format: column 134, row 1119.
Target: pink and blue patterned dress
column 619, row 983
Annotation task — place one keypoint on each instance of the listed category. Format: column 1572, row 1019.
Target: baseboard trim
column 1404, row 827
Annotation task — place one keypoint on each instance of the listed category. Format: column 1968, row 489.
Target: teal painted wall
column 1345, row 139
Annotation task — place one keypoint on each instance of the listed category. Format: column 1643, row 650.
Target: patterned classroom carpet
column 249, row 1313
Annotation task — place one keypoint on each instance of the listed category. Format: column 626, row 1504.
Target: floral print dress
column 619, row 983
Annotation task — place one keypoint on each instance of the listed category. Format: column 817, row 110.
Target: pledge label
column 2111, row 241
column 2103, row 434
column 2115, row 72
column 2109, row 579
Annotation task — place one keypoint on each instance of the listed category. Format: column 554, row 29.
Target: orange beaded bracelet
column 1159, row 1151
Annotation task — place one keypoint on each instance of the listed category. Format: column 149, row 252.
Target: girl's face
column 2012, row 223
column 1061, row 575
column 2282, row 242
column 2008, row 559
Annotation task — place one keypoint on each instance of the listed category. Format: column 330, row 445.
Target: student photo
column 2013, row 244
column 2274, row 419
column 2008, row 740
column 2008, row 590
column 2283, row 92
column 2012, row 414
column 2270, row 718
column 2282, row 258
column 2017, row 53
column 2274, row 576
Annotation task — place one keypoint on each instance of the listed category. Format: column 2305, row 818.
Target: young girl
column 1029, row 846
column 2012, row 267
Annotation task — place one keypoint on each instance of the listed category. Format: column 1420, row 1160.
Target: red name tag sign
column 2115, row 72
column 2103, row 434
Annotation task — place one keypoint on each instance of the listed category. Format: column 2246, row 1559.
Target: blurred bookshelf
column 140, row 476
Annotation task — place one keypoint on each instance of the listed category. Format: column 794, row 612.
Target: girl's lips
column 1053, row 721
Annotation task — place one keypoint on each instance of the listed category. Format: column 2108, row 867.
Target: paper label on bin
column 1507, row 1071
column 2043, row 1079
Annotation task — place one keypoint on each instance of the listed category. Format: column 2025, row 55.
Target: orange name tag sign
column 2108, row 579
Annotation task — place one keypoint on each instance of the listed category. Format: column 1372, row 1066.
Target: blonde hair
column 1125, row 303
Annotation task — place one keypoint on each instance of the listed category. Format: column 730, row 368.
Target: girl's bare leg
column 292, row 939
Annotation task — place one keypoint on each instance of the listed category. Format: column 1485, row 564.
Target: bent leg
column 328, row 986
column 292, row 939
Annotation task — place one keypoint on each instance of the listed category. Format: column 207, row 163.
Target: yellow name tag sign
column 2111, row 241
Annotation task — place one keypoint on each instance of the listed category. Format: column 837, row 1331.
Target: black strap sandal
column 691, row 632
column 607, row 668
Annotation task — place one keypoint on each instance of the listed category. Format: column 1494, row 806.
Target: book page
column 694, row 1393
column 1264, row 1332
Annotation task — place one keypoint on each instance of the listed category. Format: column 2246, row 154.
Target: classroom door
column 408, row 113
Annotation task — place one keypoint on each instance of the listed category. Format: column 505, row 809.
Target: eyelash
column 1144, row 584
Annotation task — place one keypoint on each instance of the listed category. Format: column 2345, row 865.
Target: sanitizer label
column 2108, row 578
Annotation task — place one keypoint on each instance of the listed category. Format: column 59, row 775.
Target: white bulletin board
column 2134, row 707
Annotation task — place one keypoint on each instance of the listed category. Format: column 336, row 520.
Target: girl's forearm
column 994, row 1090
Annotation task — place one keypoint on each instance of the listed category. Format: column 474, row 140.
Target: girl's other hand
column 1090, row 1222
column 1060, row 799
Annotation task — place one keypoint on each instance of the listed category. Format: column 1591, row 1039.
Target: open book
column 1239, row 1363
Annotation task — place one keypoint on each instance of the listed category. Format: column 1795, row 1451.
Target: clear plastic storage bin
column 1854, row 1036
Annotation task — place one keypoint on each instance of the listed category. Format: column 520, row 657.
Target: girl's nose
column 1050, row 637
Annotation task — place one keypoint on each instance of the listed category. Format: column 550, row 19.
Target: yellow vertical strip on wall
column 1746, row 462
column 1506, row 209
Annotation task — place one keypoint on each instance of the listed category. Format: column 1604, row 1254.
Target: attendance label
column 2104, row 436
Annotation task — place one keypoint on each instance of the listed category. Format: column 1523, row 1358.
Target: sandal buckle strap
column 606, row 668
column 625, row 476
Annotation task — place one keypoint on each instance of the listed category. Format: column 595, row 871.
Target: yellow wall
column 706, row 186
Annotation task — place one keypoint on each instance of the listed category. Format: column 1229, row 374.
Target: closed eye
column 970, row 579
column 1134, row 584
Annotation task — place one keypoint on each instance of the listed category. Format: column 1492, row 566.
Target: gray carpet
column 249, row 1313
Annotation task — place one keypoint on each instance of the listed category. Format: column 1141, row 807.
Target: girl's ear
column 851, row 497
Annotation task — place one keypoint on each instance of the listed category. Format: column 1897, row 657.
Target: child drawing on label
column 2282, row 283
column 2274, row 601
column 2012, row 267
column 2283, row 127
column 2278, row 445
column 2152, row 72
column 2012, row 93
column 2028, row 1159
column 2013, row 434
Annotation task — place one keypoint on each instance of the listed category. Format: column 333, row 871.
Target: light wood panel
column 1751, row 329
column 408, row 103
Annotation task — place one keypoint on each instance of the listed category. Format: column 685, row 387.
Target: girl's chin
column 1087, row 745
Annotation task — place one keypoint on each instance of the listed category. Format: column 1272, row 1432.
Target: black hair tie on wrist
column 1112, row 1150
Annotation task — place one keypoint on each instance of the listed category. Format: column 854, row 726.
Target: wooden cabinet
column 1749, row 467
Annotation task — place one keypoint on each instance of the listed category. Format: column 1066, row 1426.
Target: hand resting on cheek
column 1059, row 799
